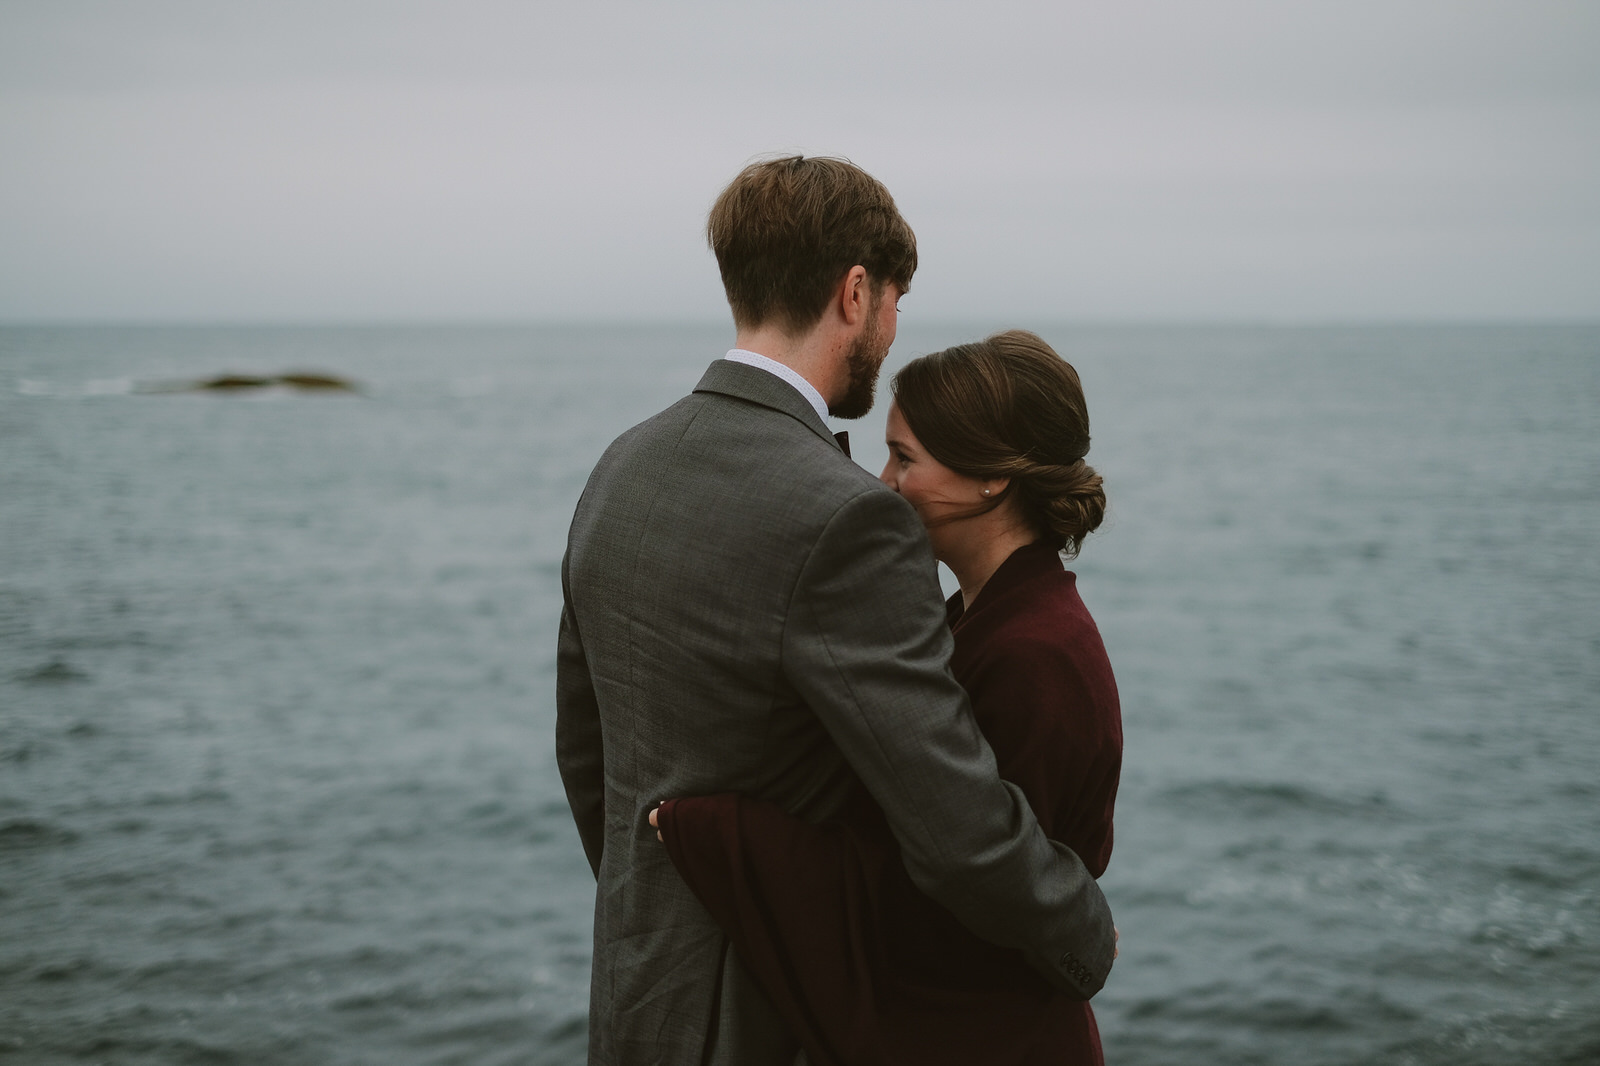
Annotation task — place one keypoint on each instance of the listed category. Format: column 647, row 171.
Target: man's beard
column 863, row 362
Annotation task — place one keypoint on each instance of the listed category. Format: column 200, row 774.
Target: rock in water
column 231, row 382
column 303, row 381
column 316, row 382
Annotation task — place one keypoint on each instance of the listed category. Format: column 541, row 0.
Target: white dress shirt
column 777, row 369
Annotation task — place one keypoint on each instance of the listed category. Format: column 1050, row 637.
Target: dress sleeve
column 801, row 905
column 1057, row 735
column 580, row 753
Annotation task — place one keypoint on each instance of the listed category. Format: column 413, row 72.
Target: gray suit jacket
column 747, row 610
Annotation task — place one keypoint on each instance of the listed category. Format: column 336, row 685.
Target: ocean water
column 276, row 670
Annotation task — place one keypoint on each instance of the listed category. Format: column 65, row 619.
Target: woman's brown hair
column 1010, row 407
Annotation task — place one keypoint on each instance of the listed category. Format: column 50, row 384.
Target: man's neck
column 812, row 355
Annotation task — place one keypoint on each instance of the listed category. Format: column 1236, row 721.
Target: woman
column 986, row 441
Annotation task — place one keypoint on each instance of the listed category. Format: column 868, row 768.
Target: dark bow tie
column 843, row 437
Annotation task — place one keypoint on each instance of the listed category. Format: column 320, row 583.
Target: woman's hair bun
column 1010, row 407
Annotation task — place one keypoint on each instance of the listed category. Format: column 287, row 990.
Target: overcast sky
column 1120, row 159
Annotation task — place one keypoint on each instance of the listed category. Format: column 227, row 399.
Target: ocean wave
column 55, row 672
column 1248, row 1010
column 28, row 834
column 1271, row 799
column 1564, row 1033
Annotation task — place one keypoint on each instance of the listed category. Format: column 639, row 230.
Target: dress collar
column 1023, row 565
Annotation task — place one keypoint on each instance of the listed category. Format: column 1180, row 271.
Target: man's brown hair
column 786, row 231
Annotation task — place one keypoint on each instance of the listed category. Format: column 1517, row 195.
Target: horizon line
column 648, row 322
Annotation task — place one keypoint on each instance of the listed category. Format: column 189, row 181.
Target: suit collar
column 787, row 373
column 754, row 385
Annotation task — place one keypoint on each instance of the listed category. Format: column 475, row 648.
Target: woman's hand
column 653, row 823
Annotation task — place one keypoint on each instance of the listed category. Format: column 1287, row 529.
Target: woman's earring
column 986, row 492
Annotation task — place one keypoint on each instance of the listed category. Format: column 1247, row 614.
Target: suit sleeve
column 867, row 647
column 580, row 753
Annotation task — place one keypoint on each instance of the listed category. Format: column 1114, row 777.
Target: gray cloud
column 378, row 160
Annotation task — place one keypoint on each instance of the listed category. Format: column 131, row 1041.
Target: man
column 747, row 610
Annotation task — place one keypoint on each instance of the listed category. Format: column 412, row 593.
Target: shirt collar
column 787, row 373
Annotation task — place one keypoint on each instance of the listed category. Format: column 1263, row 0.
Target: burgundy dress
column 862, row 966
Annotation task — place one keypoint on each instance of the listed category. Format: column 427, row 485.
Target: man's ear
column 854, row 295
